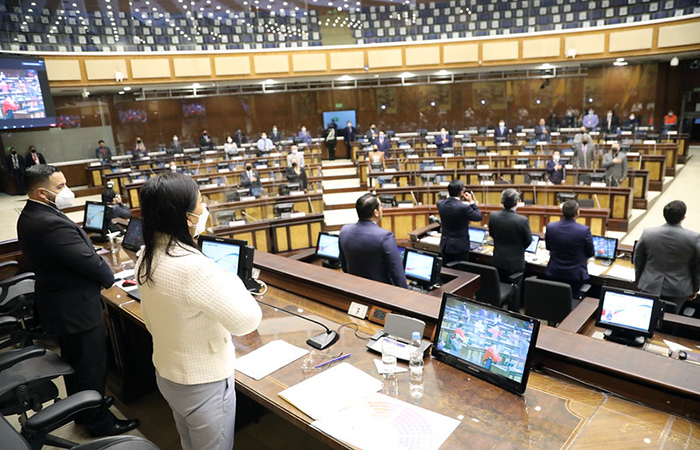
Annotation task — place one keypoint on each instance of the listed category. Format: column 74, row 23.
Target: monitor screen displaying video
column 626, row 310
column 328, row 246
column 95, row 216
column 604, row 247
column 224, row 254
column 419, row 266
column 532, row 248
column 25, row 96
column 477, row 235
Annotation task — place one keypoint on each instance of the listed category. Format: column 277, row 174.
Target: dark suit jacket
column 543, row 136
column 349, row 134
column 570, row 245
column 511, row 236
column 383, row 146
column 239, row 139
column 276, row 138
column 292, row 177
column 614, row 124
column 69, row 273
column 206, row 143
column 245, row 180
column 498, row 134
column 102, row 154
column 30, row 161
column 443, row 143
column 369, row 251
column 11, row 167
column 667, row 261
column 556, row 176
column 455, row 217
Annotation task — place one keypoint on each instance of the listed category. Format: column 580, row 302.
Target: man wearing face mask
column 69, row 276
column 15, row 165
column 501, row 132
column 615, row 165
column 250, row 179
column 304, row 136
column 555, row 169
column 205, row 141
column 175, row 146
column 264, row 144
column 382, row 144
column 276, row 136
column 34, row 158
column 584, row 153
column 443, row 141
column 610, row 123
column 631, row 123
column 240, row 138
column 295, row 154
column 590, row 120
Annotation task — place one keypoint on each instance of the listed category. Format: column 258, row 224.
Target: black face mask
column 248, row 168
column 294, row 165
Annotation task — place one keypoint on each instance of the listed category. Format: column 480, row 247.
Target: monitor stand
column 606, row 262
column 625, row 339
column 331, row 264
column 98, row 238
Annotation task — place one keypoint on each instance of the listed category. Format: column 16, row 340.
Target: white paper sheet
column 621, row 272
column 268, row 358
column 382, row 369
column 380, row 422
column 331, row 390
column 596, row 269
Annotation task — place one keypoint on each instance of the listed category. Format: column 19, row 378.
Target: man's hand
column 694, row 296
column 466, row 196
column 617, row 160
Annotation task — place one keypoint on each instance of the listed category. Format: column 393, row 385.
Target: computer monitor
column 232, row 255
column 328, row 247
column 427, row 164
column 203, row 181
column 96, row 218
column 133, row 239
column 286, row 188
column 534, row 176
column 477, row 235
column 628, row 316
column 388, row 201
column 284, row 209
column 469, row 163
column 604, row 249
column 565, row 196
column 422, row 267
column 532, row 248
column 491, row 343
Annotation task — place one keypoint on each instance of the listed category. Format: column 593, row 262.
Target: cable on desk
column 260, row 294
column 357, row 330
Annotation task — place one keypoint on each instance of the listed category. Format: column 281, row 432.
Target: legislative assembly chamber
column 286, row 114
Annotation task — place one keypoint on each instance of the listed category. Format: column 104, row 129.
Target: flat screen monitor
column 604, row 248
column 232, row 255
column 96, row 218
column 628, row 316
column 328, row 245
column 491, row 343
column 25, row 95
column 284, row 209
column 133, row 239
column 477, row 235
column 422, row 267
column 340, row 118
column 532, row 248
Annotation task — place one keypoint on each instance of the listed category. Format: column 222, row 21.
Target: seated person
column 297, row 174
column 443, row 141
column 265, row 144
column 376, row 157
column 114, row 201
column 174, row 147
column 501, row 131
column 276, row 136
column 304, row 136
column 294, row 153
column 139, row 149
column 240, row 138
column 250, row 178
column 205, row 141
column 230, row 147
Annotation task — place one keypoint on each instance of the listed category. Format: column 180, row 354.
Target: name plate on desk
column 504, row 144
column 519, row 166
column 235, row 223
column 521, row 153
column 555, row 133
column 610, row 142
column 542, row 143
column 448, row 155
column 390, row 170
column 297, row 214
column 224, row 170
column 208, row 160
column 412, row 157
column 145, row 158
column 297, row 193
column 598, row 184
column 264, row 180
column 488, row 183
column 651, row 142
column 125, row 170
column 482, row 166
column 405, row 205
column 437, row 168
column 210, row 152
column 444, row 183
column 542, row 183
column 626, row 133
column 247, row 198
column 568, row 166
column 672, row 133
column 568, row 153
column 594, row 133
column 95, row 164
column 390, row 185
column 632, row 153
column 178, row 155
column 521, row 134
column 261, row 166
column 432, row 146
column 237, row 158
column 210, row 185
column 275, row 154
column 470, row 144
column 492, row 154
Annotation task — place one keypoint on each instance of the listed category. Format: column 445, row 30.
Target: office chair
column 35, row 430
column 17, row 300
column 492, row 290
column 548, row 300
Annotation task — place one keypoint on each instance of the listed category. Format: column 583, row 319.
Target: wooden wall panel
column 232, row 65
column 63, row 69
column 309, row 62
column 192, row 67
column 499, row 51
column 674, row 35
column 542, row 48
column 421, row 56
column 104, row 69
column 150, row 68
column 585, row 44
column 271, row 63
column 460, row 53
column 384, row 58
column 623, row 41
column 347, row 60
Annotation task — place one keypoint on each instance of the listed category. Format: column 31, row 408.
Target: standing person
column 455, row 216
column 295, row 154
column 382, row 144
column 69, row 276
column 591, row 120
column 265, row 144
column 34, row 158
column 610, row 123
column 329, row 136
column 570, row 245
column 371, row 133
column 667, row 259
column 555, row 169
column 443, row 141
column 139, row 149
column 511, row 236
column 15, row 165
column 584, row 153
column 191, row 306
column 542, row 132
column 304, row 136
column 349, row 135
column 175, row 146
column 102, row 152
column 205, row 141
column 501, row 132
column 297, row 174
column 369, row 251
column 615, row 165
column 239, row 138
column 251, row 179
column 276, row 136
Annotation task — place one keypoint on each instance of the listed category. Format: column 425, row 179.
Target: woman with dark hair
column 191, row 306
column 297, row 174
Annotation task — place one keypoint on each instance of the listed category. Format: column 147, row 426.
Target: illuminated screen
column 532, row 248
column 419, row 266
column 94, row 217
column 328, row 246
column 133, row 240
column 627, row 311
column 25, row 97
column 486, row 337
column 223, row 254
column 604, row 248
column 340, row 118
column 477, row 235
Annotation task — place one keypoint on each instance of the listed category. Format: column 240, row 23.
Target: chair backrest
column 490, row 288
column 119, row 443
column 10, row 437
column 547, row 300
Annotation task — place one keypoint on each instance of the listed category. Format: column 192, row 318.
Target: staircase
column 341, row 189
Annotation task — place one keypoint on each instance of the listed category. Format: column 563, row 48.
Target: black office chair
column 492, row 290
column 36, row 428
column 548, row 300
column 17, row 300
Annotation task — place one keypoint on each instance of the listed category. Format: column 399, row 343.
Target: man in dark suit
column 511, row 236
column 443, row 141
column 570, row 245
column 584, row 153
column 542, row 132
column 555, row 169
column 102, row 152
column 610, row 123
column 69, row 276
column 667, row 259
column 455, row 216
column 239, row 138
column 615, row 165
column 501, row 131
column 276, row 136
column 34, row 158
column 15, row 166
column 369, row 251
column 205, row 141
column 382, row 144
column 250, row 178
column 371, row 132
column 349, row 134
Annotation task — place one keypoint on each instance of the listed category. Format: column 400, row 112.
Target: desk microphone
column 319, row 342
column 248, row 215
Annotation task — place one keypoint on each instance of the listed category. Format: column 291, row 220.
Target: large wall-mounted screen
column 25, row 96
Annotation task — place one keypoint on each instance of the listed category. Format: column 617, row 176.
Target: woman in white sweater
column 191, row 307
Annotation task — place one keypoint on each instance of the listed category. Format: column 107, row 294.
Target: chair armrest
column 7, row 321
column 16, row 279
column 62, row 412
column 8, row 264
column 514, row 277
column 9, row 359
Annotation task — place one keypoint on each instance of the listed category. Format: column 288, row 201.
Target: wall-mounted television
column 132, row 116
column 340, row 118
column 25, row 96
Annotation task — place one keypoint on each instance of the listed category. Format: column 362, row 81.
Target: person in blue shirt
column 304, row 136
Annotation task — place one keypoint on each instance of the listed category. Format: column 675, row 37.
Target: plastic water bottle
column 416, row 366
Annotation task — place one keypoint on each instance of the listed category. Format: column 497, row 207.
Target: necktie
column 585, row 148
column 15, row 161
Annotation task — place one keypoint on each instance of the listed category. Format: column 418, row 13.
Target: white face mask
column 202, row 223
column 303, row 130
column 274, row 130
column 175, row 138
column 64, row 198
column 556, row 158
column 501, row 124
column 229, row 140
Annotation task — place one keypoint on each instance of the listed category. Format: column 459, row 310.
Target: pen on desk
column 339, row 358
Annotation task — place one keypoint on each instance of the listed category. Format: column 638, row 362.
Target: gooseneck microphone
column 319, row 342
